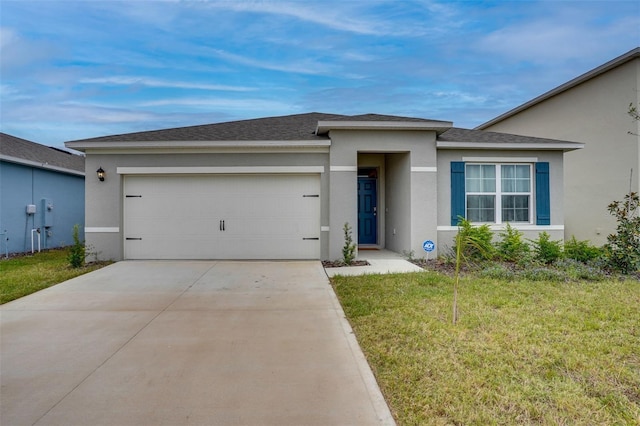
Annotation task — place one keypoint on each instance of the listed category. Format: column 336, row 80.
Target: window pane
column 473, row 171
column 515, row 178
column 488, row 178
column 481, row 208
column 522, row 172
column 480, row 178
column 508, row 172
column 515, row 208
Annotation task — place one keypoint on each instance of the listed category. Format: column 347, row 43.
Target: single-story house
column 283, row 187
column 41, row 195
column 592, row 109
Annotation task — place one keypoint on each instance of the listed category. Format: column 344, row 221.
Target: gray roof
column 284, row 128
column 614, row 63
column 295, row 127
column 482, row 136
column 21, row 150
column 302, row 127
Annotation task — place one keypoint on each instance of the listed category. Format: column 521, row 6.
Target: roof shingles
column 11, row 146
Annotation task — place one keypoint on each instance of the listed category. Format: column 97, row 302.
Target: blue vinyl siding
column 21, row 185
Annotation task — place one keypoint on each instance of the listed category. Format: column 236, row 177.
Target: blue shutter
column 543, row 199
column 457, row 191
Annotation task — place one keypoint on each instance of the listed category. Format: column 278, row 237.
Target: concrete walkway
column 380, row 262
column 186, row 343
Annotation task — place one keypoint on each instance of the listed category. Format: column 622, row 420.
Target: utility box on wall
column 47, row 213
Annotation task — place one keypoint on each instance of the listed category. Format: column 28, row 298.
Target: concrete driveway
column 180, row 343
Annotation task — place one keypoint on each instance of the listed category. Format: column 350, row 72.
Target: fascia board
column 39, row 165
column 173, row 145
column 510, row 146
column 437, row 126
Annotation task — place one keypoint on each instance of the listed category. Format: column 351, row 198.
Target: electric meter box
column 31, row 209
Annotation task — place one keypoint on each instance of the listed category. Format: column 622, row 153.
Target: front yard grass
column 23, row 275
column 522, row 352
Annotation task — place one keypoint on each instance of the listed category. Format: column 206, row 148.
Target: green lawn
column 23, row 275
column 522, row 352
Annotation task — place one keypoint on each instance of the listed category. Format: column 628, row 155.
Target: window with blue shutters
column 500, row 193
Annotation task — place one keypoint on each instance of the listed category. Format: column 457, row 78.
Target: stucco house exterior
column 41, row 195
column 283, row 187
column 592, row 109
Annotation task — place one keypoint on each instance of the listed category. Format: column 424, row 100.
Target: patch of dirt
column 340, row 263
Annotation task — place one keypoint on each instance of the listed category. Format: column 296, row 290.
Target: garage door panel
column 264, row 217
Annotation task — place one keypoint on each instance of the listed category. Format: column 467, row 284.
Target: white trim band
column 45, row 166
column 521, row 227
column 500, row 159
column 96, row 229
column 324, row 229
column 424, row 169
column 217, row 170
column 343, row 168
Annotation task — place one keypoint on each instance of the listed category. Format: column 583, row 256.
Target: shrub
column 577, row 270
column 349, row 248
column 542, row 274
column 77, row 252
column 623, row 248
column 512, row 248
column 582, row 251
column 476, row 241
column 497, row 272
column 546, row 250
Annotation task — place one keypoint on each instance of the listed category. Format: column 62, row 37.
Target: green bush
column 77, row 252
column 349, row 248
column 582, row 251
column 476, row 241
column 542, row 274
column 512, row 247
column 579, row 271
column 498, row 272
column 545, row 250
column 623, row 248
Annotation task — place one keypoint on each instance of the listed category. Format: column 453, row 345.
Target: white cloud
column 224, row 104
column 19, row 53
column 304, row 66
column 152, row 82
column 559, row 36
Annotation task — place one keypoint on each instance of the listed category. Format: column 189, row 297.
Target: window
column 498, row 193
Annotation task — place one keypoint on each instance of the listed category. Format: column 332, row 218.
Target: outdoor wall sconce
column 101, row 174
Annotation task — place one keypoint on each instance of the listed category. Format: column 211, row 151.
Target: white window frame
column 498, row 191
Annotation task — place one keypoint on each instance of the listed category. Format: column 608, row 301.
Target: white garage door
column 222, row 217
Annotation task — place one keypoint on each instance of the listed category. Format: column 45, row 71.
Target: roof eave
column 438, row 126
column 45, row 166
column 532, row 146
column 85, row 145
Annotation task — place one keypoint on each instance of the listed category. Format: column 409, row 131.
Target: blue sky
column 72, row 70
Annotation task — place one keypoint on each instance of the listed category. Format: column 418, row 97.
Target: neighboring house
column 41, row 195
column 283, row 187
column 592, row 109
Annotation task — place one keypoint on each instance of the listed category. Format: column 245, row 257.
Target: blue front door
column 367, row 211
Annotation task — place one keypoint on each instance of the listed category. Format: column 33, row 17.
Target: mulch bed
column 340, row 263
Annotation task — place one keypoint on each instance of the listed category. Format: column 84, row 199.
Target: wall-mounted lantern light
column 101, row 174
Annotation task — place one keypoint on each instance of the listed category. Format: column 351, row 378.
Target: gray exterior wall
column 446, row 232
column 595, row 113
column 104, row 200
column 409, row 191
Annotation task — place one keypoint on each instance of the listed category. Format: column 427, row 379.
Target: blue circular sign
column 429, row 246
